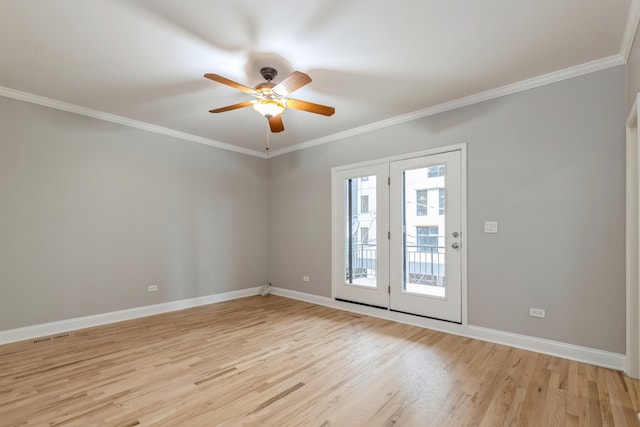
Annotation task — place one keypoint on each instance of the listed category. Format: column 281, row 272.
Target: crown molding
column 534, row 82
column 630, row 30
column 545, row 79
column 100, row 115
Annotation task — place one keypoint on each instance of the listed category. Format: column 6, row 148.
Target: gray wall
column 92, row 213
column 633, row 71
column 548, row 164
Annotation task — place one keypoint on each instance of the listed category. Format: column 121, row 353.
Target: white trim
column 632, row 118
column 52, row 328
column 632, row 363
column 463, row 234
column 630, row 29
column 545, row 79
column 83, row 111
column 555, row 348
column 435, row 150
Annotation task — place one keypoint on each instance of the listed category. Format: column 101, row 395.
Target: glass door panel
column 360, row 231
column 423, row 227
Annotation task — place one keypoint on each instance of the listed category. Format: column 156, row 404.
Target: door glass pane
column 424, row 230
column 360, row 231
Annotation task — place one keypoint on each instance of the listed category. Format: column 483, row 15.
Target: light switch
column 491, row 227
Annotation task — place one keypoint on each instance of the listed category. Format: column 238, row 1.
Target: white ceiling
column 144, row 60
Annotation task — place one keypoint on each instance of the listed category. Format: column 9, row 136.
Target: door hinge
column 389, row 290
column 388, row 235
column 388, row 180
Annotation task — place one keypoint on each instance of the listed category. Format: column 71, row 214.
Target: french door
column 426, row 240
column 360, row 235
column 397, row 235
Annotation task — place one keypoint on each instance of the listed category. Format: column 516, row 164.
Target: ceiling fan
column 273, row 98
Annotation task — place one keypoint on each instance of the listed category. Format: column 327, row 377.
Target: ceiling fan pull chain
column 268, row 138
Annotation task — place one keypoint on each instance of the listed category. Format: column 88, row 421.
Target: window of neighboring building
column 427, row 238
column 364, row 235
column 435, row 171
column 421, row 203
column 364, row 204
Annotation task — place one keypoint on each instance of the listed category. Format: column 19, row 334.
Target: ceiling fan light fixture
column 272, row 98
column 268, row 107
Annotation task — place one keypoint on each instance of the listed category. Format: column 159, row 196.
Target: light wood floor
column 271, row 361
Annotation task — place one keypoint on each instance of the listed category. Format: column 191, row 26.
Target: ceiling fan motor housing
column 268, row 73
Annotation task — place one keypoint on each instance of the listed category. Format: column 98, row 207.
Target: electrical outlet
column 152, row 288
column 306, row 279
column 537, row 312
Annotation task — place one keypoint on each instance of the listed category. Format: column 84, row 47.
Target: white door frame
column 632, row 360
column 336, row 260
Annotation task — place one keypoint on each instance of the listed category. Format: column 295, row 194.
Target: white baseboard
column 554, row 348
column 53, row 328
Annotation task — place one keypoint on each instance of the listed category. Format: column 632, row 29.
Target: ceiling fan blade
column 292, row 82
column 232, row 107
column 225, row 81
column 310, row 107
column 275, row 123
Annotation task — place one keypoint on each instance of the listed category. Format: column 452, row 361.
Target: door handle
column 455, row 245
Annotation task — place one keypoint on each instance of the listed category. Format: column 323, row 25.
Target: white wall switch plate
column 491, row 227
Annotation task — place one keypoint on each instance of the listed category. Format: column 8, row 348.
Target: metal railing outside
column 423, row 265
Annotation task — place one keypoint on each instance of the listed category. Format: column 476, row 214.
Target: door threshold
column 397, row 311
column 426, row 317
column 362, row 303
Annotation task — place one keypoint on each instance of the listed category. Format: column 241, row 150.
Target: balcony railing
column 363, row 261
column 423, row 265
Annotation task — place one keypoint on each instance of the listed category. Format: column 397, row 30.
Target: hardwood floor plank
column 272, row 361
